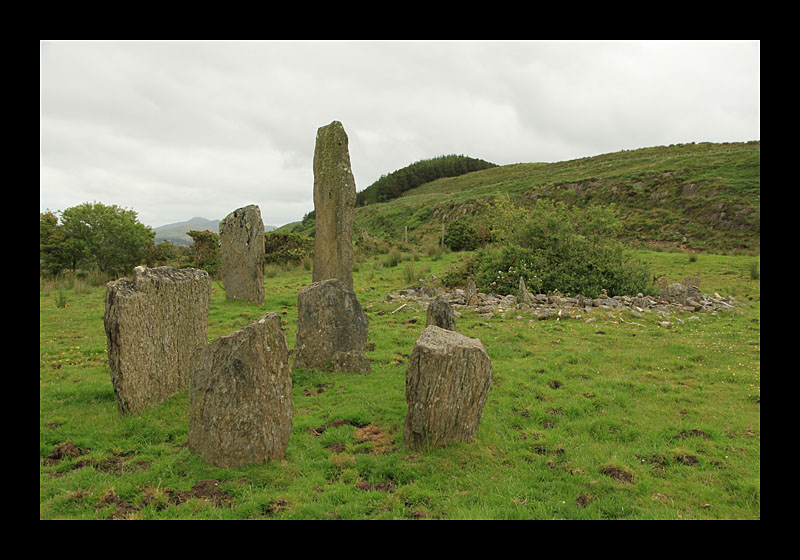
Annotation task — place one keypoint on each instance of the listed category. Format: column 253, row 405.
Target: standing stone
column 331, row 329
column 447, row 384
column 524, row 296
column 241, row 239
column 334, row 206
column 471, row 293
column 440, row 313
column 153, row 324
column 240, row 396
column 675, row 293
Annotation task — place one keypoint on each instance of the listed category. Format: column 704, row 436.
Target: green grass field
column 621, row 418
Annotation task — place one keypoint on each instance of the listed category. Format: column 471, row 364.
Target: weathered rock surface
column 153, row 324
column 440, row 313
column 240, row 396
column 447, row 384
column 241, row 240
column 331, row 328
column 334, row 206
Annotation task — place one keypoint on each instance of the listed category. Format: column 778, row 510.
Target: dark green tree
column 111, row 236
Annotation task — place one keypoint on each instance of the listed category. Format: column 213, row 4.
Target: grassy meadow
column 625, row 417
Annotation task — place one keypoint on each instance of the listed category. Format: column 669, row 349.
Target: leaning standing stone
column 334, row 206
column 440, row 313
column 240, row 396
column 241, row 240
column 447, row 384
column 153, row 324
column 331, row 329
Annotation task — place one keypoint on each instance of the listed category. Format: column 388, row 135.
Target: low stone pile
column 674, row 298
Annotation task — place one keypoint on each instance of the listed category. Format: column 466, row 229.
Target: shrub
column 461, row 236
column 559, row 248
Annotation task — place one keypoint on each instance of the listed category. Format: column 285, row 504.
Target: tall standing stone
column 241, row 239
column 153, row 324
column 447, row 385
column 240, row 396
column 331, row 329
column 334, row 206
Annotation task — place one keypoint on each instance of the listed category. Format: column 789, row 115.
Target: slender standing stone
column 241, row 239
column 334, row 205
column 153, row 324
column 240, row 396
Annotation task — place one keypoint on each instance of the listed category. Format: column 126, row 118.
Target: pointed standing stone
column 241, row 240
column 524, row 296
column 334, row 205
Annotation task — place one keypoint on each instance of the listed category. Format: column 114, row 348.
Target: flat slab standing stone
column 241, row 240
column 153, row 324
column 447, row 384
column 331, row 329
column 240, row 396
column 334, row 206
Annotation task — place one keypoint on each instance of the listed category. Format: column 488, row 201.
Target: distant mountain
column 177, row 233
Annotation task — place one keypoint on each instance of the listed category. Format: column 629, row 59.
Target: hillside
column 177, row 233
column 696, row 196
column 699, row 197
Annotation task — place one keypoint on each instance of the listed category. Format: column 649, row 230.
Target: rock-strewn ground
column 558, row 307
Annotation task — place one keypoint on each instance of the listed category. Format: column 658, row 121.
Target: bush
column 564, row 249
column 461, row 236
column 279, row 248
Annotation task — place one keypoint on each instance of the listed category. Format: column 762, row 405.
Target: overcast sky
column 180, row 129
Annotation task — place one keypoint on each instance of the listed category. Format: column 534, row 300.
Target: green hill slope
column 697, row 196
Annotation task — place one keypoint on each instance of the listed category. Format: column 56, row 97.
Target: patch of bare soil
column 583, row 500
column 692, row 433
column 381, row 443
column 689, row 460
column 207, row 490
column 388, row 486
column 122, row 509
column 618, row 473
column 66, row 450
